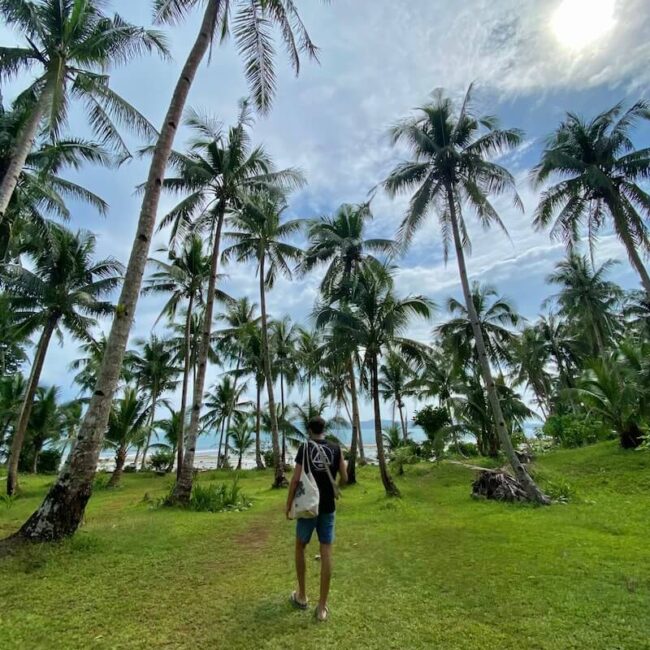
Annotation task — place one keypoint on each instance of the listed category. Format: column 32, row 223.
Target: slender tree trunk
column 187, row 361
column 284, row 438
column 38, row 445
column 309, row 389
column 223, row 427
column 138, row 449
column 533, row 492
column 28, row 402
column 405, row 433
column 356, row 433
column 62, row 509
column 258, row 427
column 232, row 404
column 279, row 480
column 152, row 415
column 386, row 479
column 120, row 460
column 241, row 453
column 22, row 148
column 185, row 479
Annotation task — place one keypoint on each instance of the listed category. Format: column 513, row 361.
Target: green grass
column 435, row 569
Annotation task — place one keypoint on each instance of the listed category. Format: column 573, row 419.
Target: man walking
column 321, row 452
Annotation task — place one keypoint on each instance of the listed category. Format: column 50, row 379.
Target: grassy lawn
column 435, row 569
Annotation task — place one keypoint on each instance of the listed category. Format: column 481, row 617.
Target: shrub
column 575, row 430
column 467, row 448
column 101, row 481
column 403, row 456
column 267, row 457
column 212, row 497
column 161, row 460
column 48, row 461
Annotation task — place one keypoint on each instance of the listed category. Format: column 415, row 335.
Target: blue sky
column 380, row 59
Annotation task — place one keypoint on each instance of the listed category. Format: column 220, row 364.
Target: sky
column 530, row 61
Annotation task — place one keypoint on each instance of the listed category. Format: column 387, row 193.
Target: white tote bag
column 307, row 497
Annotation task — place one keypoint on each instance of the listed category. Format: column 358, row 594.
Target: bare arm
column 297, row 473
column 343, row 471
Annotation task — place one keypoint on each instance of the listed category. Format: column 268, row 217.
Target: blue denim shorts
column 323, row 524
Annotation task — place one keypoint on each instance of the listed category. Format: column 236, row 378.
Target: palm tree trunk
column 120, row 459
column 63, row 507
column 356, row 433
column 284, row 437
column 28, row 402
column 400, row 407
column 223, row 427
column 187, row 360
column 241, row 453
column 38, row 445
column 533, row 492
column 154, row 398
column 309, row 389
column 279, row 480
column 386, row 479
column 258, row 426
column 185, row 479
column 22, row 147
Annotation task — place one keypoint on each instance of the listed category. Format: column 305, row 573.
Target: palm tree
column 63, row 288
column 396, row 382
column 183, row 279
column 127, row 426
column 217, row 173
column 588, row 301
column 308, row 357
column 45, row 421
column 253, row 20
column 70, row 419
column 636, row 310
column 259, row 235
column 560, row 347
column 40, row 191
column 70, row 45
column 156, row 374
column 170, row 428
column 496, row 317
column 375, row 319
column 12, row 342
column 12, row 391
column 452, row 167
column 601, row 171
column 242, row 436
column 339, row 241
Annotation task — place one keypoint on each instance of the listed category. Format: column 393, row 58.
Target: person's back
column 318, row 455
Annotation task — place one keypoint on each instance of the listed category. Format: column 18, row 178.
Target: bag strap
column 305, row 457
column 323, row 459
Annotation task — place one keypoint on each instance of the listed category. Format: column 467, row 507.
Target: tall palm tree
column 70, row 419
column 219, row 170
column 45, row 421
column 253, row 20
column 242, row 436
column 601, row 174
column 156, row 374
column 339, row 241
column 127, row 426
column 396, row 381
column 452, row 167
column 308, row 355
column 12, row 341
column 588, row 301
column 560, row 347
column 70, row 45
column 63, row 288
column 183, row 279
column 12, row 390
column 40, row 191
column 259, row 234
column 375, row 319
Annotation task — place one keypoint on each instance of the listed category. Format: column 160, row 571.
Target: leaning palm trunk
column 386, row 479
column 62, row 510
column 279, row 480
column 356, row 433
column 120, row 460
column 28, row 402
column 154, row 398
column 402, row 419
column 221, row 464
column 183, row 488
column 187, row 362
column 284, row 437
column 23, row 146
column 531, row 489
column 258, row 426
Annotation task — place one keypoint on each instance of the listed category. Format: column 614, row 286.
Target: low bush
column 213, row 497
column 466, row 448
column 161, row 461
column 48, row 461
column 575, row 430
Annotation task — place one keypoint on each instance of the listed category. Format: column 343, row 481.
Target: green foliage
column 575, row 430
column 161, row 460
column 101, row 481
column 267, row 457
column 467, row 448
column 432, row 419
column 402, row 456
column 215, row 497
column 48, row 460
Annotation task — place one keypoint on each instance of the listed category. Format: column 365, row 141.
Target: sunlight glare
column 576, row 23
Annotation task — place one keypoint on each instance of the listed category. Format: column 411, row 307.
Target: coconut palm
column 308, row 357
column 375, row 319
column 12, row 390
column 339, row 241
column 127, row 426
column 602, row 176
column 259, row 234
column 170, row 428
column 12, row 341
column 636, row 310
column 41, row 192
column 221, row 167
column 183, row 279
column 452, row 166
column 560, row 347
column 69, row 47
column 70, row 419
column 62, row 289
column 588, row 301
column 396, row 381
column 45, row 422
column 156, row 373
column 241, row 436
column 253, row 20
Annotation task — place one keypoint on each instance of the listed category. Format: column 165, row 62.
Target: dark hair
column 316, row 425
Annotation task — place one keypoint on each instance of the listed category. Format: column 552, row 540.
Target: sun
column 577, row 23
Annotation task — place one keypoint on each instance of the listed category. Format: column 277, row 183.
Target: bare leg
column 301, row 571
column 325, row 577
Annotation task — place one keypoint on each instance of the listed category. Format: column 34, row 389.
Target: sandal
column 296, row 603
column 322, row 615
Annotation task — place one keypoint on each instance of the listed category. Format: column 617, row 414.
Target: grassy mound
column 435, row 569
